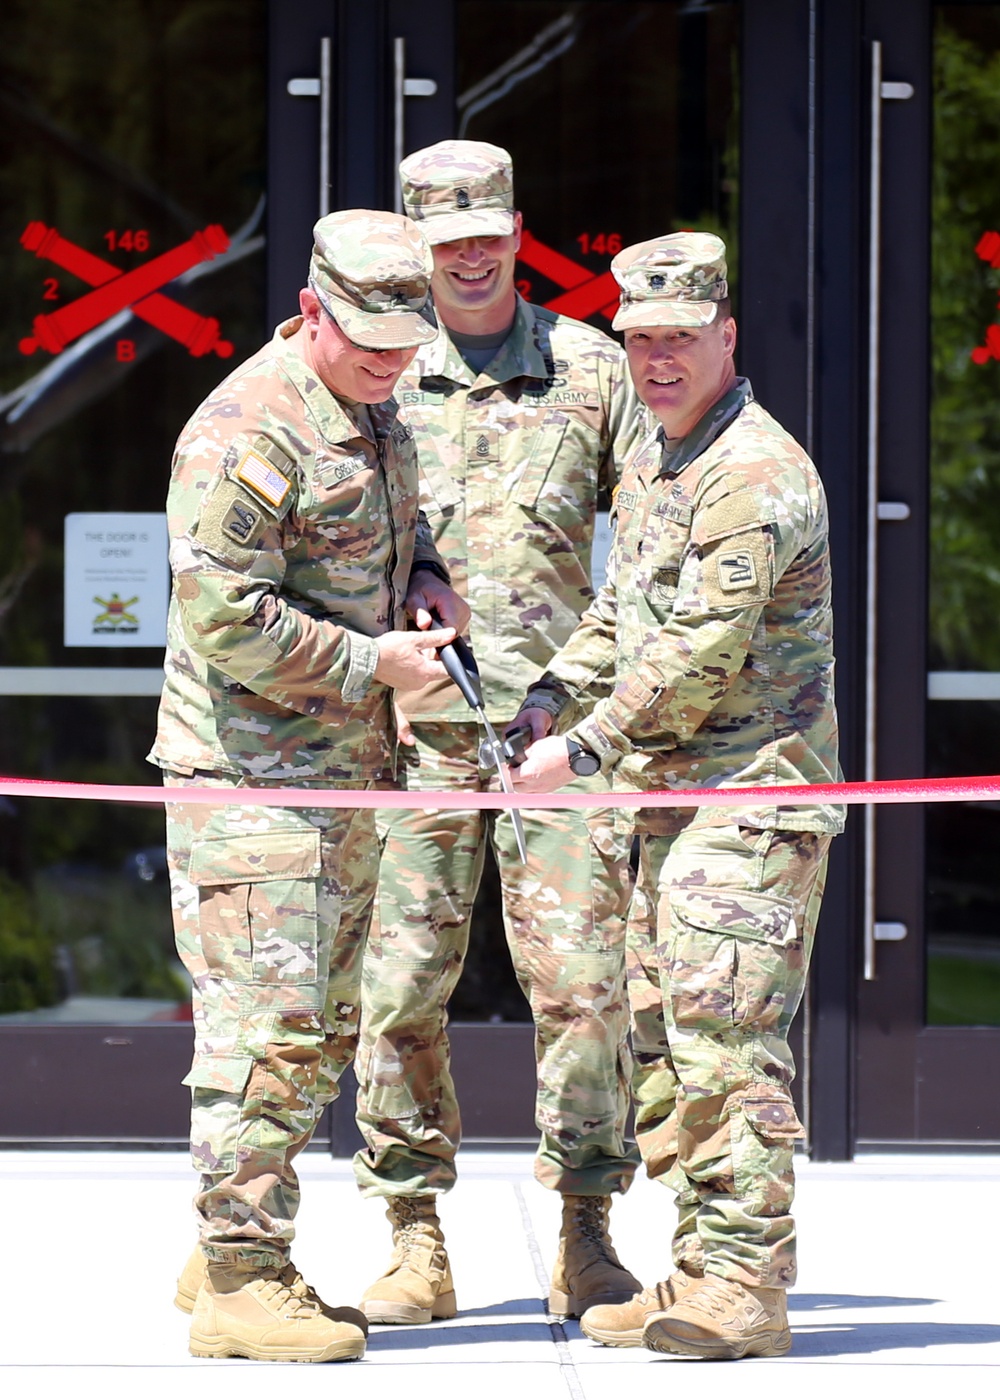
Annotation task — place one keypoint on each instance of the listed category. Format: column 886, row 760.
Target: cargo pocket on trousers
column 736, row 959
column 258, row 915
column 765, row 1133
column 217, row 1084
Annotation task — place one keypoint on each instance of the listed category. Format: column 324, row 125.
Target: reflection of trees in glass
column 633, row 159
column 116, row 117
column 965, row 413
column 126, row 125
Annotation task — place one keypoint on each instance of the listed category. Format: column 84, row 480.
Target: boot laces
column 589, row 1220
column 409, row 1232
column 288, row 1289
column 654, row 1296
column 715, row 1298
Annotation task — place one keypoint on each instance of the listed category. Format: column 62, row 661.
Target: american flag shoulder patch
column 265, row 481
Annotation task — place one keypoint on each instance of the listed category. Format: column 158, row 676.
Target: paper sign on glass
column 116, row 579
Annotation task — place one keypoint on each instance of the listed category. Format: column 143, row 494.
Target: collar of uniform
column 333, row 418
column 679, row 452
column 520, row 356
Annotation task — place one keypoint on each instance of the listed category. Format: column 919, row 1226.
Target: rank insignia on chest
column 265, row 481
column 737, row 571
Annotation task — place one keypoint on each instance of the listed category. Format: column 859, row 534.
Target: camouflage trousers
column 720, row 933
column 271, row 910
column 564, row 916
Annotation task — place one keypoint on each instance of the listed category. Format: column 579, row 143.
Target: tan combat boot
column 722, row 1321
column 417, row 1285
column 622, row 1324
column 263, row 1314
column 194, row 1273
column 587, row 1271
column 192, row 1276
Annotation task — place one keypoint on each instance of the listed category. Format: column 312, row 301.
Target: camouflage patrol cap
column 459, row 189
column 675, row 280
column 372, row 273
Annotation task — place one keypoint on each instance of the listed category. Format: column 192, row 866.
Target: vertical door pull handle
column 320, row 87
column 402, row 88
column 877, row 510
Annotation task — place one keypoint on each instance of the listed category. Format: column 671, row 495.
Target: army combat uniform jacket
column 709, row 652
column 294, row 527
column 511, row 462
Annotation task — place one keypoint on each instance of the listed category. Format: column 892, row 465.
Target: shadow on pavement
column 819, row 1302
column 473, row 1325
column 860, row 1340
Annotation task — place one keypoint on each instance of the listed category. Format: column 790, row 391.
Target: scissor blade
column 505, row 782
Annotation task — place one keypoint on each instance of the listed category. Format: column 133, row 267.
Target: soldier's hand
column 429, row 600
column 540, row 720
column 407, row 660
column 403, row 731
column 545, row 767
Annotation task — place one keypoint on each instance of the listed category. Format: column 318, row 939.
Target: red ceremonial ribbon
column 788, row 795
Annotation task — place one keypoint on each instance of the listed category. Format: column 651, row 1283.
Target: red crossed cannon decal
column 116, row 290
column 585, row 292
column 988, row 248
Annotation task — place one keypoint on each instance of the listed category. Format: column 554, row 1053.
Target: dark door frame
column 912, row 1076
column 94, row 1084
column 801, row 287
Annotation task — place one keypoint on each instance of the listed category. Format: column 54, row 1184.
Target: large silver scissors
column 461, row 666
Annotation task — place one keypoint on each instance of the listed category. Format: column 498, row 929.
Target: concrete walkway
column 898, row 1289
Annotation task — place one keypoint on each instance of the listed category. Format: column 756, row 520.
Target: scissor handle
column 461, row 665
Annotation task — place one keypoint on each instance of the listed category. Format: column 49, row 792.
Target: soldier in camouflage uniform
column 519, row 416
column 707, row 661
column 296, row 545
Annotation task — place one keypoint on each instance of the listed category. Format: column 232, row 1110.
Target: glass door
column 159, row 190
column 134, row 188
column 597, row 165
column 930, row 1003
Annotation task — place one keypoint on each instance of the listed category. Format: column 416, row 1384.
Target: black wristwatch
column 583, row 762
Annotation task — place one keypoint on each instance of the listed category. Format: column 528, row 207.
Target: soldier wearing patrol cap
column 519, row 415
column 297, row 549
column 707, row 661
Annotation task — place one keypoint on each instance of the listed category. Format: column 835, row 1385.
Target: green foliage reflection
column 965, row 413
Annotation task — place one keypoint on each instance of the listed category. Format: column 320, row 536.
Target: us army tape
column 788, row 795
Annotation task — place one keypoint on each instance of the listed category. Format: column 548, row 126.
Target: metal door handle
column 880, row 92
column 320, row 87
column 403, row 87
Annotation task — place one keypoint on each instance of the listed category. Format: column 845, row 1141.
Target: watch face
column 584, row 763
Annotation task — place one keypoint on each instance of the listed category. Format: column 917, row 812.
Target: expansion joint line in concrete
column 560, row 1341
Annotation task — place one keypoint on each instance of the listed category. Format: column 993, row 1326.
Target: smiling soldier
column 707, row 661
column 519, row 416
column 297, row 550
